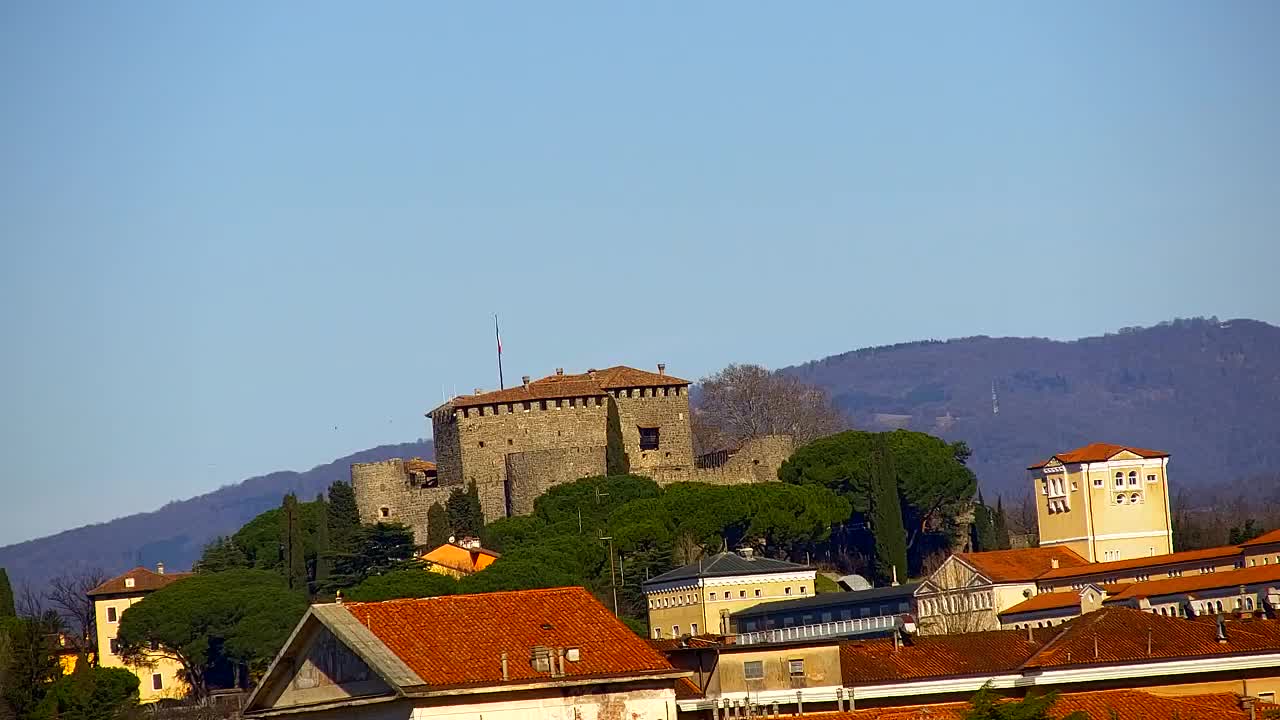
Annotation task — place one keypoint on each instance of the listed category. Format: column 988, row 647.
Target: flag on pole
column 498, row 336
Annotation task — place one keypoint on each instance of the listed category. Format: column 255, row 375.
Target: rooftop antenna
column 497, row 336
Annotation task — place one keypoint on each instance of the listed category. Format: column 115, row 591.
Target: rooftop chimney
column 745, row 552
column 1222, row 629
column 559, row 371
column 505, row 676
column 1053, row 563
column 159, row 568
column 662, row 368
column 478, row 391
column 525, row 379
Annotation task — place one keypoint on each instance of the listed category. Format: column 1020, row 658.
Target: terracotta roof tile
column 1097, row 452
column 1118, row 704
column 1207, row 581
column 1055, row 600
column 687, row 689
column 144, row 580
column 464, row 560
column 1022, row 565
column 458, row 640
column 876, row 660
column 589, row 384
column 419, row 464
column 1264, row 539
column 1120, row 634
column 1154, row 561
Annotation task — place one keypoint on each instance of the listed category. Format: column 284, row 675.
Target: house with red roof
column 553, row 654
column 160, row 677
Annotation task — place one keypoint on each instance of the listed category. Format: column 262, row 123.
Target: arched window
column 1134, row 498
column 1120, row 499
column 1119, row 479
column 1219, row 606
column 1133, row 477
column 1248, row 603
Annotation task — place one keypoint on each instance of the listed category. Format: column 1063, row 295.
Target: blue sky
column 241, row 237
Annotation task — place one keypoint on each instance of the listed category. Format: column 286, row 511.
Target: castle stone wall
column 664, row 408
column 756, row 461
column 387, row 487
column 530, row 474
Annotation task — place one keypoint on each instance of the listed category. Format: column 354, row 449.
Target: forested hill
column 176, row 533
column 1207, row 391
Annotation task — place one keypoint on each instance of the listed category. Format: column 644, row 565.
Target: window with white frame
column 753, row 669
column 1099, row 482
column 795, row 667
column 1119, row 479
column 1133, row 477
column 693, row 629
column 1151, row 479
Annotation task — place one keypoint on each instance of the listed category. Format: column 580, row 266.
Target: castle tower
column 1106, row 502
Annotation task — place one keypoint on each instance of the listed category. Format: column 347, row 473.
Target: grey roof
column 726, row 563
column 823, row 600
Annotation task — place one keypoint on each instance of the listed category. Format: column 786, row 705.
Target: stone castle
column 517, row 442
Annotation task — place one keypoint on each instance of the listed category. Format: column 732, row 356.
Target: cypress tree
column 886, row 518
column 615, row 452
column 7, row 608
column 983, row 531
column 465, row 514
column 343, row 516
column 1001, row 526
column 324, row 557
column 295, row 561
column 438, row 531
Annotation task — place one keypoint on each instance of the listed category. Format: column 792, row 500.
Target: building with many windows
column 1106, row 502
column 700, row 597
column 158, row 675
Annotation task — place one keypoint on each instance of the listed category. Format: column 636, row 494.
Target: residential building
column 1105, row 502
column 1179, row 564
column 1055, row 608
column 1100, row 704
column 1248, row 590
column 699, row 597
column 158, row 674
column 969, row 590
column 459, row 558
column 1262, row 550
column 838, row 614
column 550, row 654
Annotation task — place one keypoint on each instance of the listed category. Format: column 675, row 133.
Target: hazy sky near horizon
column 241, row 237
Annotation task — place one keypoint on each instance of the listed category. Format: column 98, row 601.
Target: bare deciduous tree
column 955, row 606
column 747, row 401
column 68, row 595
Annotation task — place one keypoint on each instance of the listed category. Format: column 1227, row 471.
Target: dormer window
column 128, row 582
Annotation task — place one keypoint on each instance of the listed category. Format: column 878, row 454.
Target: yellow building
column 699, row 597
column 158, row 677
column 459, row 559
column 1105, row 502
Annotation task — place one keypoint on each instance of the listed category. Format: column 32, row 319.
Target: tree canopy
column 406, row 583
column 466, row 517
column 748, row 401
column 988, row 705
column 214, row 624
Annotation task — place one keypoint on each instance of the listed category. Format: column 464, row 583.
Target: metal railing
column 836, row 628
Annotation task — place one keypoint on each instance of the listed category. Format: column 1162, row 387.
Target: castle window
column 385, row 511
column 1119, row 479
column 481, row 443
column 527, row 407
column 648, row 438
column 542, row 404
column 1133, row 477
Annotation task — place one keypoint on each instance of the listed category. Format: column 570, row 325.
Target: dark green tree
column 91, row 693
column 324, row 551
column 890, row 557
column 343, row 515
column 378, row 549
column 216, row 625
column 616, row 460
column 982, row 531
column 463, row 509
column 6, row 596
column 1243, row 533
column 295, row 554
column 1001, row 526
column 407, row 583
column 219, row 555
column 33, row 663
column 438, row 530
column 987, row 705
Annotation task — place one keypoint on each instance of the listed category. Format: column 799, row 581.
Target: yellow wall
column 821, row 664
column 709, row 601
column 1077, row 507
column 1262, row 555
column 1139, row 574
column 171, row 686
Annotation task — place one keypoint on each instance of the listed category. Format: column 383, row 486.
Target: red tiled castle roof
column 593, row 383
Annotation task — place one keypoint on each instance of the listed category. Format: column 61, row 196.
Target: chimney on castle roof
column 662, row 368
column 525, row 379
column 559, row 371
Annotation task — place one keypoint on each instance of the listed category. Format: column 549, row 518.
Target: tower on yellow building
column 1106, row 502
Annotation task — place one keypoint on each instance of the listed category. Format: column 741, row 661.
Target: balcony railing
column 837, row 628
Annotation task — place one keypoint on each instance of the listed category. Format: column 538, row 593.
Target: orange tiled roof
column 1207, row 581
column 687, row 689
column 1120, row 634
column 1055, row 600
column 1097, row 452
column 465, row 560
column 1263, row 539
column 419, row 464
column 877, row 660
column 1154, row 561
column 1022, row 565
column 593, row 383
column 1120, row 704
column 458, row 640
column 144, row 581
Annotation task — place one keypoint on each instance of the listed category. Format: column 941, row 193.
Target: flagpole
column 498, row 337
